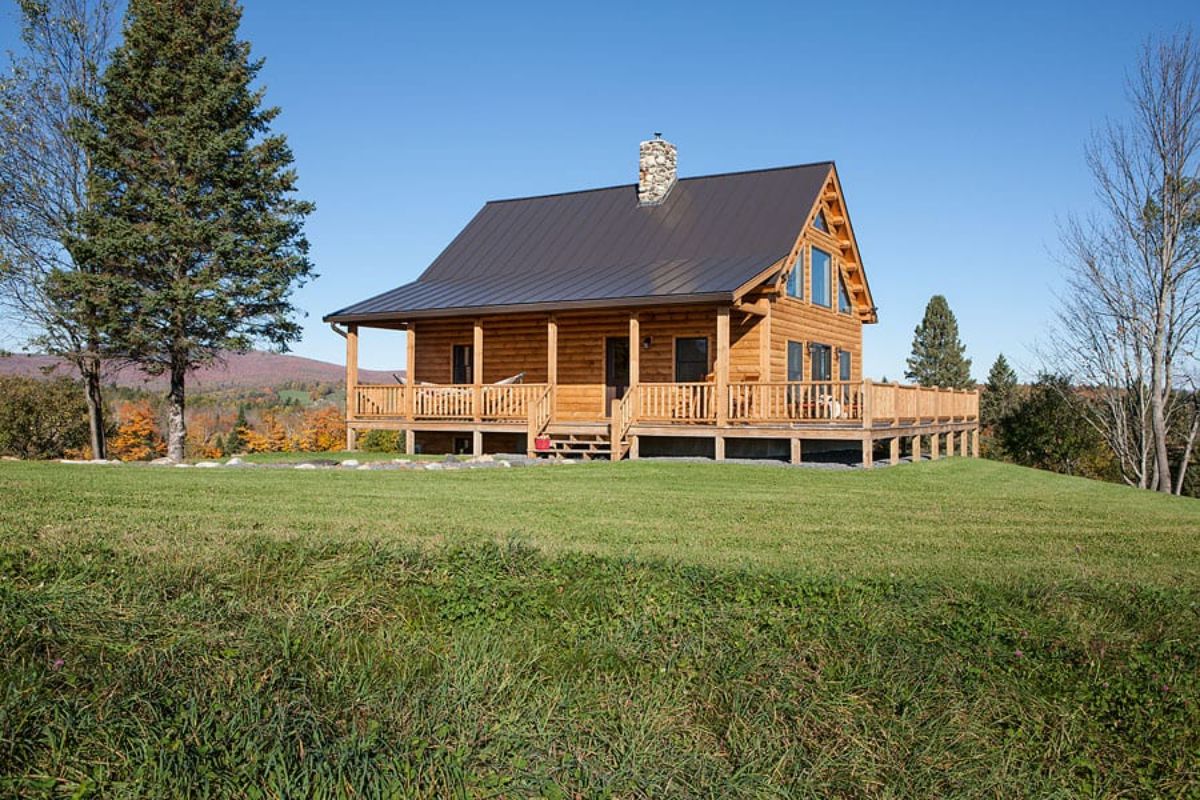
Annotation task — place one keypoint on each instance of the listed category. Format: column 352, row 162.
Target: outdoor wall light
column 647, row 341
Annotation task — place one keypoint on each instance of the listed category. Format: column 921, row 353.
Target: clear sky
column 958, row 130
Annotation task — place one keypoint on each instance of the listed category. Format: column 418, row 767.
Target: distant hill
column 234, row 371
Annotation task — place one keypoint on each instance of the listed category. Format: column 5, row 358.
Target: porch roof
column 709, row 237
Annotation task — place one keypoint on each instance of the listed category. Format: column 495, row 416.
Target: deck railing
column 863, row 403
column 379, row 401
column 676, row 402
column 795, row 401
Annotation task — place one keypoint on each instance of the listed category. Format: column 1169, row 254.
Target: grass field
column 959, row 628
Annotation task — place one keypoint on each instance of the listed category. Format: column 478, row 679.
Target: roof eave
column 542, row 307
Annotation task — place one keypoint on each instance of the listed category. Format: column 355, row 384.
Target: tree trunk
column 1187, row 452
column 95, row 406
column 1160, row 391
column 176, row 426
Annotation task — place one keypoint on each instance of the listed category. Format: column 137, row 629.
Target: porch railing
column 781, row 402
column 795, row 401
column 676, row 402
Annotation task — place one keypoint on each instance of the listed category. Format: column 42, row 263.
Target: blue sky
column 958, row 129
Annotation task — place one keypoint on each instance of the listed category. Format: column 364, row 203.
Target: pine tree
column 938, row 356
column 235, row 442
column 999, row 395
column 192, row 212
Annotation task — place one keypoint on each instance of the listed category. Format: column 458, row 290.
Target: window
column 464, row 363
column 691, row 359
column 795, row 281
column 821, row 269
column 844, row 365
column 822, row 362
column 795, row 363
column 819, row 222
column 844, row 304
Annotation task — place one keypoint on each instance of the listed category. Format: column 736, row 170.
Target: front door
column 616, row 370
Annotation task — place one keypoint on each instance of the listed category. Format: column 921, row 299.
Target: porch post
column 635, row 351
column 764, row 346
column 410, row 371
column 722, row 367
column 552, row 351
column 477, row 370
column 351, row 384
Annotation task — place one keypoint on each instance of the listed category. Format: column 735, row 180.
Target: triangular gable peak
column 829, row 219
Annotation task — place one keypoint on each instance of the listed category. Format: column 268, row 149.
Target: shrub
column 382, row 441
column 42, row 418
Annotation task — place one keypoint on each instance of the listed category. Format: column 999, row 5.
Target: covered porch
column 604, row 392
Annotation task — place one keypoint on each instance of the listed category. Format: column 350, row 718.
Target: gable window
column 819, row 222
column 464, row 363
column 795, row 361
column 844, row 365
column 822, row 267
column 844, row 304
column 691, row 359
column 795, row 281
column 822, row 362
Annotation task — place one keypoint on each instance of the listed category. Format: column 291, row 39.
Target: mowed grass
column 960, row 628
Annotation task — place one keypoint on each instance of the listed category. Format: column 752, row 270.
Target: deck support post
column 477, row 442
column 975, row 443
column 410, row 442
column 477, row 370
column 797, row 449
column 633, row 448
column 722, row 366
column 351, row 383
column 962, row 443
column 719, row 448
column 935, row 447
column 410, row 371
column 894, row 451
column 552, row 352
column 915, row 449
column 868, row 452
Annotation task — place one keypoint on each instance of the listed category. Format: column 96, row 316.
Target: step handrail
column 622, row 421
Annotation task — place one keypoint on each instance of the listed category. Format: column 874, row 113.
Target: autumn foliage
column 137, row 437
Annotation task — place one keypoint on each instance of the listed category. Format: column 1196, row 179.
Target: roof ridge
column 830, row 162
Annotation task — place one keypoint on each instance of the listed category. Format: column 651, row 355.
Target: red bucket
column 541, row 443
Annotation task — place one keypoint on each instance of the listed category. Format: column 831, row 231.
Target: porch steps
column 585, row 446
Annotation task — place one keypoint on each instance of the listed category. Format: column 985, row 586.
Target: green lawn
column 959, row 628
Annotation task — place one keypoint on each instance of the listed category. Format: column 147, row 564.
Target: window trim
column 828, row 281
column 845, row 357
column 813, row 361
column 708, row 352
column 799, row 272
column 787, row 358
column 841, row 292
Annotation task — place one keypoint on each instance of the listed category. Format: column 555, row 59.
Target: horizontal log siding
column 796, row 321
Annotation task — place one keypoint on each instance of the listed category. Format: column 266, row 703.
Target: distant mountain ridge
column 233, row 371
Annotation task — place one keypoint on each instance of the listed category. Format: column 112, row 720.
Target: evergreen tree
column 192, row 213
column 999, row 395
column 235, row 442
column 938, row 356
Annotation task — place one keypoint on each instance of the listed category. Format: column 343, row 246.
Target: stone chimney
column 656, row 171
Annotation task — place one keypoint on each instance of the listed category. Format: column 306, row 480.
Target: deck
column 863, row 411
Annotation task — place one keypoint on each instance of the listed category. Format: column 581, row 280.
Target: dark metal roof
column 709, row 237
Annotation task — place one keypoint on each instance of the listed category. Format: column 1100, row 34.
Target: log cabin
column 718, row 315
